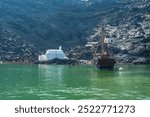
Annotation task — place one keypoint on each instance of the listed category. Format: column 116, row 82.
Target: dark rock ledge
column 59, row 62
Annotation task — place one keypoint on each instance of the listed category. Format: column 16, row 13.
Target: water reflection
column 70, row 76
column 63, row 82
column 51, row 71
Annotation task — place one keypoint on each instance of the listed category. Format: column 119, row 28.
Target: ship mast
column 103, row 48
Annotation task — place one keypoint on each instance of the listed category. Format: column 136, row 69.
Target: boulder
column 148, row 48
column 139, row 61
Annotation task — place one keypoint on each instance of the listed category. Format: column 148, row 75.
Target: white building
column 90, row 44
column 52, row 54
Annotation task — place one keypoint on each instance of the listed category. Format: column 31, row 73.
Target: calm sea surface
column 73, row 82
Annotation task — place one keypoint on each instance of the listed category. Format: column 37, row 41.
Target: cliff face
column 129, row 27
column 29, row 27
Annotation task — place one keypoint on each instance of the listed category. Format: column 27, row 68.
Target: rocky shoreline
column 86, row 54
column 138, row 61
column 59, row 62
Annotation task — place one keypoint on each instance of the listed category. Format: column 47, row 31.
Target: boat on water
column 103, row 57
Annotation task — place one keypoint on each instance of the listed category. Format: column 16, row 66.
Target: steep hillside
column 29, row 27
column 129, row 28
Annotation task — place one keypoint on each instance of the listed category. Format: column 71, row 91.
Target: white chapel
column 53, row 54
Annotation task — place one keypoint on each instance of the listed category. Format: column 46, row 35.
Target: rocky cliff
column 128, row 25
column 28, row 28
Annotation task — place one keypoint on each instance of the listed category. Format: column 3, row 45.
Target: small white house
column 52, row 54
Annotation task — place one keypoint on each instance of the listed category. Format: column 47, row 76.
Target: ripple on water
column 73, row 82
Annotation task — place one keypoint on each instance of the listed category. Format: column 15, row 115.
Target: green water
column 73, row 82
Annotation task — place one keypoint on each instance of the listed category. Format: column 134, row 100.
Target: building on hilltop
column 53, row 54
